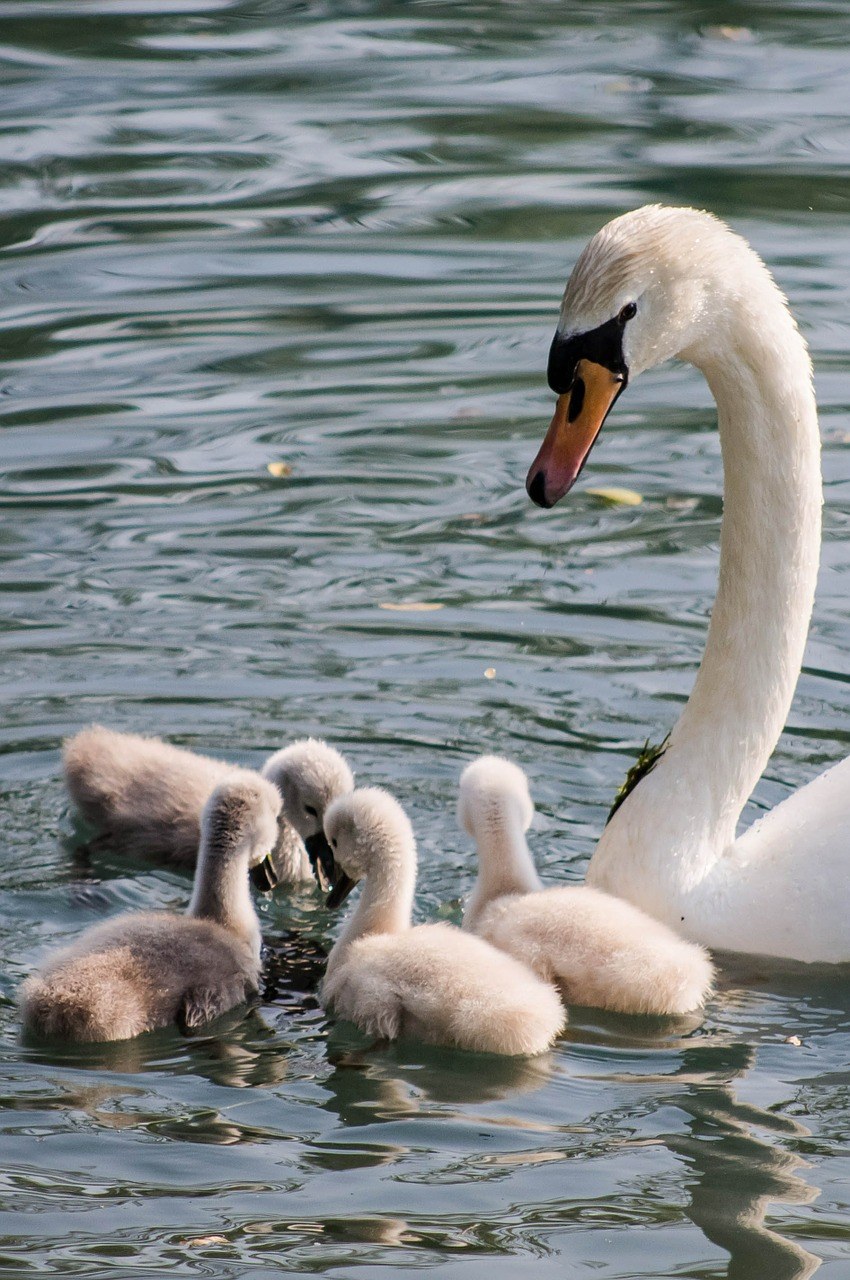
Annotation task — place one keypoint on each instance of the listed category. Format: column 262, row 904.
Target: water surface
column 335, row 236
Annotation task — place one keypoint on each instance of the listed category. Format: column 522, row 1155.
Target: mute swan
column 150, row 969
column 431, row 981
column 146, row 797
column 653, row 284
column 598, row 949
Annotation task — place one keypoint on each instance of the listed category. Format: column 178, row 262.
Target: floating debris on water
column 648, row 758
column 410, row 606
column 739, row 34
column 681, row 504
column 617, row 497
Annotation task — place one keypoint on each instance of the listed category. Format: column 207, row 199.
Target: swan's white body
column 145, row 796
column 702, row 294
column 598, row 949
column 431, row 981
column 151, row 969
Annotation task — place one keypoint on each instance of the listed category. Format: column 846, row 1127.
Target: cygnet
column 143, row 970
column 431, row 981
column 145, row 797
column 598, row 949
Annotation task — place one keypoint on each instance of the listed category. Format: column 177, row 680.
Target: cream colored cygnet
column 145, row 797
column 431, row 981
column 598, row 949
column 143, row 970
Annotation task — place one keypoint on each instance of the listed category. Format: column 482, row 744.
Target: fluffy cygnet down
column 154, row 968
column 598, row 949
column 432, row 981
column 145, row 797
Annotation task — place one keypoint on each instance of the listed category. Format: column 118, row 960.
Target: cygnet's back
column 442, row 986
column 145, row 970
column 145, row 796
column 598, row 949
column 432, row 981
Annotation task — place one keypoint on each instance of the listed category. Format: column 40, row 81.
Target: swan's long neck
column 678, row 820
column 221, row 892
column 386, row 903
column 504, row 862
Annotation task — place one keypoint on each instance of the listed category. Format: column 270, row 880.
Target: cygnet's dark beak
column 321, row 859
column 342, row 886
column 264, row 876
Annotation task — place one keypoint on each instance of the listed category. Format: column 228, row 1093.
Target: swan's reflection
column 737, row 1176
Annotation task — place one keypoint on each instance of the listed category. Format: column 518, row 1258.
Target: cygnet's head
column 309, row 775
column 240, row 820
column 652, row 284
column 491, row 788
column 368, row 832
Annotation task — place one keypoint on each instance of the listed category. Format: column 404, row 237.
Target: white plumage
column 681, row 284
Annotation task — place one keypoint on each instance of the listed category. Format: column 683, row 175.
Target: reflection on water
column 369, row 1082
column 234, row 1051
column 737, row 1177
column 335, row 236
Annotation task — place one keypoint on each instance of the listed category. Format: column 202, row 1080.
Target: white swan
column 599, row 950
column 430, row 981
column 145, row 797
column 149, row 969
column 654, row 284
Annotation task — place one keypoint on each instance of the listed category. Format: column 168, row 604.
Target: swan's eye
column 628, row 312
column 308, row 808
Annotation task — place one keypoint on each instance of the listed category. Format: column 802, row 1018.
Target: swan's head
column 490, row 788
column 239, row 820
column 310, row 775
column 369, row 833
column 651, row 285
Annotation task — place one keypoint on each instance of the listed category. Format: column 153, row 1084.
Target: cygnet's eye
column 628, row 312
column 314, row 813
column 333, row 844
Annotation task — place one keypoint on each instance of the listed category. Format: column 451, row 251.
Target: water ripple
column 240, row 233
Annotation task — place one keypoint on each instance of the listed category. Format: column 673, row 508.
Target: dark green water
column 336, row 236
